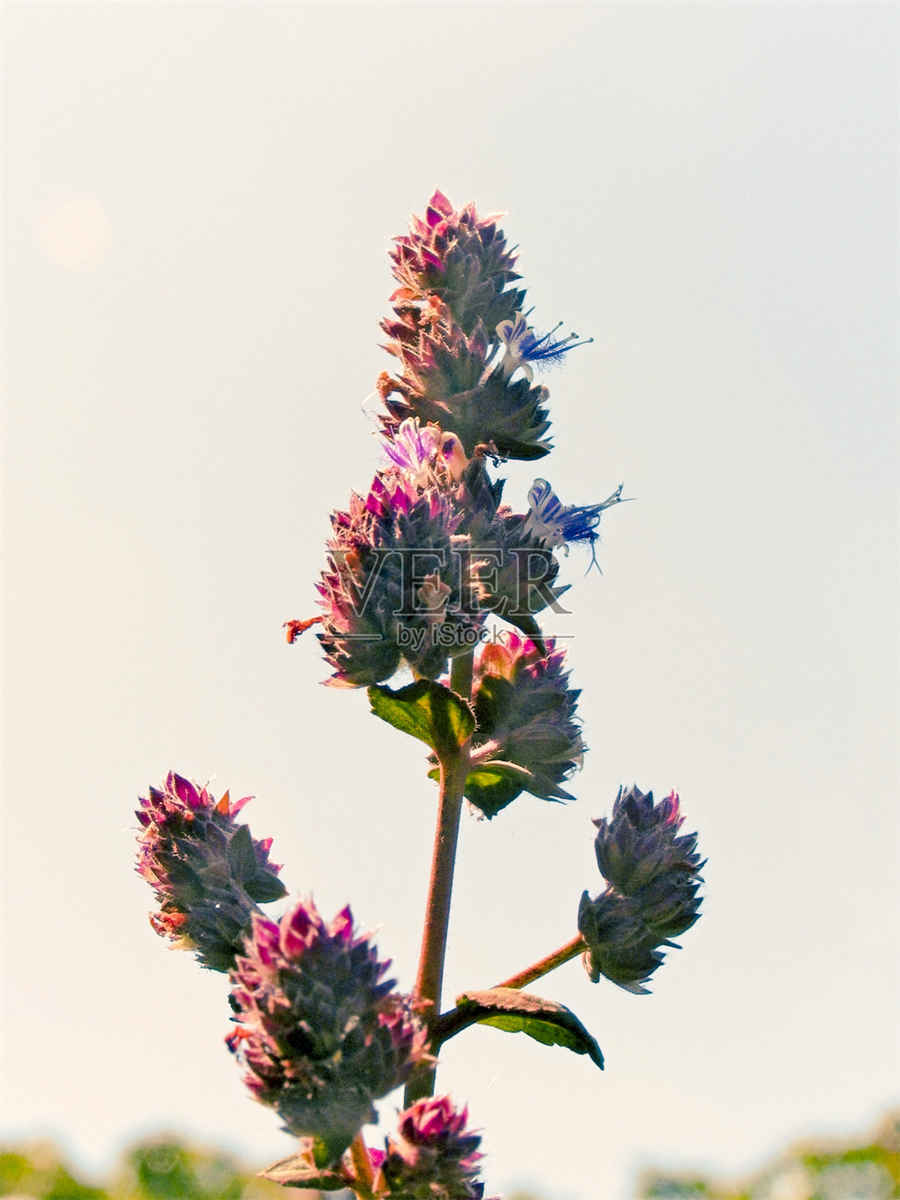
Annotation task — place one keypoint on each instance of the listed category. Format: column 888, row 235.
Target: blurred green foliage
column 166, row 1168
column 163, row 1168
column 862, row 1169
column 37, row 1172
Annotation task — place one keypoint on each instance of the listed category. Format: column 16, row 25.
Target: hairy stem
column 576, row 946
column 364, row 1176
column 454, row 769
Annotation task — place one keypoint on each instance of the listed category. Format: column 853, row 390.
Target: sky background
column 200, row 199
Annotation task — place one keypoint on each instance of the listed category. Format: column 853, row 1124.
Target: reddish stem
column 575, row 946
column 454, row 769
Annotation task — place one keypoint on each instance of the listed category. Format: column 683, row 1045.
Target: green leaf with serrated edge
column 546, row 1021
column 298, row 1172
column 425, row 710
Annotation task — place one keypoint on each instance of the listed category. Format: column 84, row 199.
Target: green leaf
column 300, row 1171
column 546, row 1021
column 493, row 785
column 427, row 711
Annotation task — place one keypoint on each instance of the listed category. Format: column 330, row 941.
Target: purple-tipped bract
column 432, row 1156
column 525, row 711
column 320, row 1030
column 652, row 896
column 398, row 585
column 208, row 873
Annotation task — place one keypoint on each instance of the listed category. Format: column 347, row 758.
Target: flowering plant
column 414, row 569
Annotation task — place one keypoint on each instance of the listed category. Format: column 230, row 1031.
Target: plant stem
column 362, row 1168
column 576, row 946
column 454, row 769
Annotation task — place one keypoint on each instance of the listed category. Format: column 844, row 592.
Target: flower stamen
column 522, row 347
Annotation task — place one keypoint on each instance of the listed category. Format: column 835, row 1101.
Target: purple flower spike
column 654, row 879
column 639, row 845
column 396, row 585
column 320, row 1030
column 432, row 1156
column 208, row 873
column 525, row 711
column 455, row 271
column 462, row 258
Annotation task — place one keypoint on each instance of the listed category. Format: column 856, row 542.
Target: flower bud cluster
column 320, row 1030
column 463, row 260
column 398, row 584
column 432, row 1156
column 525, row 711
column 653, row 877
column 208, row 873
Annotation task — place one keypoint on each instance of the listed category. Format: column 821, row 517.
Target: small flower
column 654, row 879
column 525, row 711
column 425, row 454
column 208, row 873
column 320, row 1030
column 432, row 1156
column 521, row 347
column 514, row 554
column 554, row 524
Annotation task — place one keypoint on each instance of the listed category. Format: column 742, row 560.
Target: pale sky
column 199, row 203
